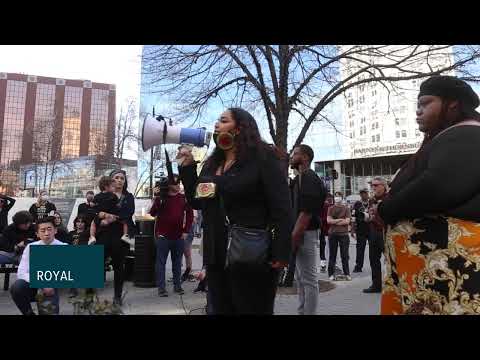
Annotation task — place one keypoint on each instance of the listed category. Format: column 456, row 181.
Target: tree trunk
column 281, row 132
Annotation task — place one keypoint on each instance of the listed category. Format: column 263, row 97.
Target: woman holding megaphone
column 243, row 194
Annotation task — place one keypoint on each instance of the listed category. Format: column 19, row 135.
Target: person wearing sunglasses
column 376, row 241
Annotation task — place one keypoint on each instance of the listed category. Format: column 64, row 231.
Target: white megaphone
column 156, row 132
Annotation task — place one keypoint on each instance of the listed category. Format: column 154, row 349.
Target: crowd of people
column 256, row 222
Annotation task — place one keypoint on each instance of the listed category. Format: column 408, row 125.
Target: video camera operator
column 170, row 208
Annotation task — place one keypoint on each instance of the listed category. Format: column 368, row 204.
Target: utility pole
column 151, row 164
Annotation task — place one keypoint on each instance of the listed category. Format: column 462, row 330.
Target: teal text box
column 66, row 266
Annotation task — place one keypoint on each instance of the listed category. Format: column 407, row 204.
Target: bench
column 7, row 269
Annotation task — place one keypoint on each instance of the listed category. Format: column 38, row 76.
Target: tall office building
column 44, row 119
column 379, row 123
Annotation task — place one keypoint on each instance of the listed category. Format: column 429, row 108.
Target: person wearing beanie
column 432, row 211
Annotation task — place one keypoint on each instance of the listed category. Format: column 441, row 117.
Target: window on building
column 98, row 122
column 397, row 134
column 378, row 137
column 13, row 123
column 397, row 122
column 44, row 122
column 373, row 138
column 72, row 113
column 404, row 133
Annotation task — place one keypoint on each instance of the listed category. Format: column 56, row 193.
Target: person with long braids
column 250, row 190
column 111, row 236
column 433, row 209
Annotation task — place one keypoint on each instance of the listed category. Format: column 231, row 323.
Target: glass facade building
column 45, row 120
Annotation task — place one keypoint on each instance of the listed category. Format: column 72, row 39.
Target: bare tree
column 126, row 134
column 47, row 157
column 286, row 79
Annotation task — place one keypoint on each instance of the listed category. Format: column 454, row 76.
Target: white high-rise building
column 379, row 121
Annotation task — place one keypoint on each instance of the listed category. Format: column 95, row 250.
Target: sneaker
column 331, row 278
column 185, row 275
column 179, row 291
column 162, row 293
column 372, row 290
column 348, row 278
column 128, row 240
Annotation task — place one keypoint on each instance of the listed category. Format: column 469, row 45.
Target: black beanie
column 450, row 87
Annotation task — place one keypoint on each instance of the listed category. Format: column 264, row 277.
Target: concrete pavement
column 346, row 298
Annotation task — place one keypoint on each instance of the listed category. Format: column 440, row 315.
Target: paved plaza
column 346, row 298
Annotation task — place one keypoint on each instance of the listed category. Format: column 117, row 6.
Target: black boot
column 185, row 274
column 201, row 286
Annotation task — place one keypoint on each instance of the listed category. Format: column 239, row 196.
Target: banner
column 66, row 266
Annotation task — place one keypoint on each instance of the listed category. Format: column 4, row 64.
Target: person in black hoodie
column 87, row 209
column 62, row 232
column 15, row 237
column 6, row 203
column 80, row 234
column 252, row 192
column 42, row 208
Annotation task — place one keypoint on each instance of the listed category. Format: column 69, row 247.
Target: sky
column 112, row 64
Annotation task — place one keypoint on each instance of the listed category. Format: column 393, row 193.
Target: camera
column 162, row 185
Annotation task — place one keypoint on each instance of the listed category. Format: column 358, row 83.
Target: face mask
column 224, row 140
column 44, row 197
column 338, row 199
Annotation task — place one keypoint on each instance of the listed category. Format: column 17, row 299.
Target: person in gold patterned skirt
column 433, row 209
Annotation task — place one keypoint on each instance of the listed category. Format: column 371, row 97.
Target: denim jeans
column 175, row 248
column 335, row 241
column 23, row 295
column 306, row 274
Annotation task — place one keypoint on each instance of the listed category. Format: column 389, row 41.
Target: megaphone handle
column 164, row 133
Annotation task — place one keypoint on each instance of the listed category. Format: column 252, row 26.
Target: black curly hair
column 22, row 217
column 248, row 142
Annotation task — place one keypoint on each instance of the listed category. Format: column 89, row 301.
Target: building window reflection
column 98, row 122
column 13, row 124
column 72, row 112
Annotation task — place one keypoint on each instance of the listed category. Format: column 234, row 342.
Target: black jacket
column 255, row 194
column 75, row 238
column 42, row 211
column 359, row 210
column 62, row 234
column 11, row 236
column 4, row 211
column 87, row 211
column 445, row 181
